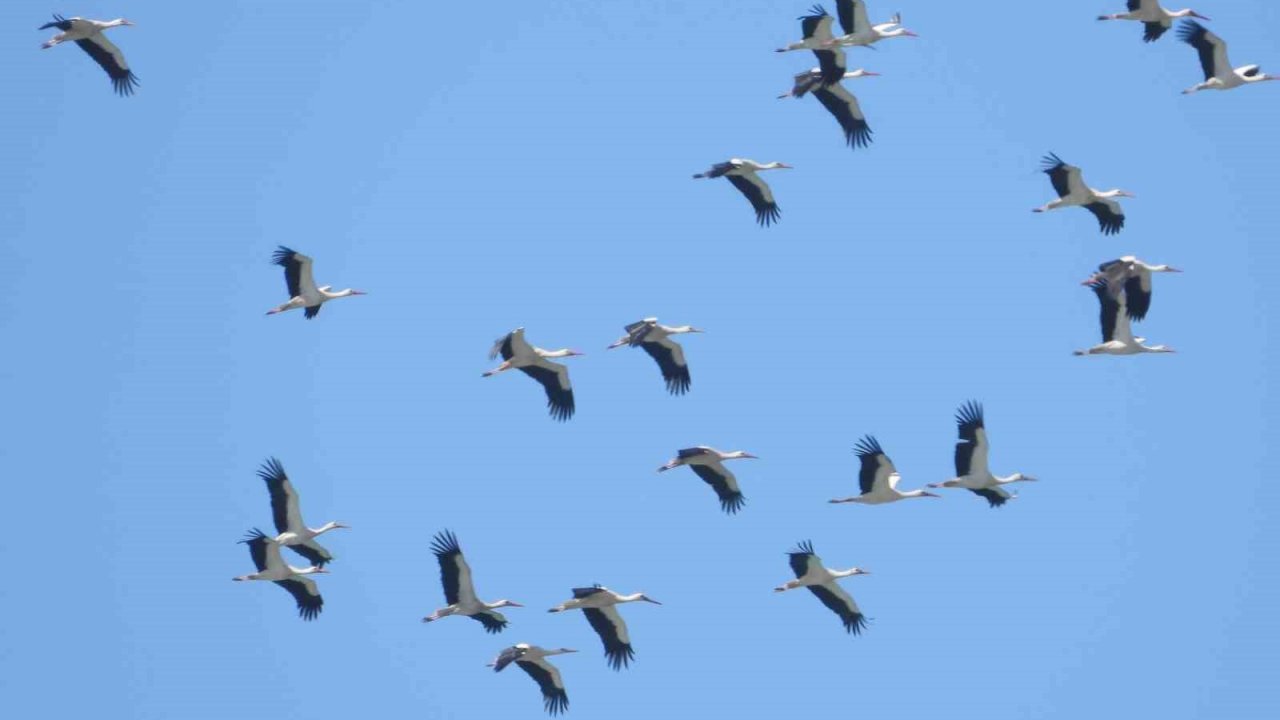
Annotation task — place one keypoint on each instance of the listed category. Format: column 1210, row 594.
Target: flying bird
column 859, row 31
column 455, row 576
column 804, row 83
column 303, row 292
column 655, row 339
column 266, row 557
column 1155, row 20
column 816, row 31
column 1130, row 276
column 742, row 174
column 533, row 660
column 838, row 101
column 535, row 362
column 1218, row 73
column 1117, row 336
column 971, row 460
column 821, row 582
column 706, row 463
column 88, row 35
column 598, row 603
column 293, row 533
column 1069, row 184
column 878, row 478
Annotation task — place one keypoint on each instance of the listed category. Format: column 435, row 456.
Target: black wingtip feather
column 1191, row 31
column 816, row 11
column 868, row 446
column 445, row 543
column 272, row 470
column 804, row 547
column 1051, row 162
column 731, row 504
column 282, row 255
column 970, row 413
column 768, row 215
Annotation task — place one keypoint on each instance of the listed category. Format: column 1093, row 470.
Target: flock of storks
column 1123, row 288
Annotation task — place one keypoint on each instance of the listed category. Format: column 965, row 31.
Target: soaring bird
column 1218, row 73
column 1130, row 276
column 533, row 660
column 1155, row 20
column 707, row 463
column 1069, row 184
column 858, row 30
column 655, row 339
column 266, row 557
column 1117, row 336
column 971, row 460
column 455, row 576
column 742, row 174
column 878, row 478
column 303, row 292
column 838, row 101
column 285, row 511
column 598, row 603
column 816, row 30
column 535, row 362
column 821, row 582
column 88, row 35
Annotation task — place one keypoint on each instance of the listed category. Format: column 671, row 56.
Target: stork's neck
column 555, row 353
column 846, row 573
column 326, row 528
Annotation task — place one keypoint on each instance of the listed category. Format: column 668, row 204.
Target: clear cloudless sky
column 478, row 167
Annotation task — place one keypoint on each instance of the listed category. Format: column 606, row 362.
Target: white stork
column 1117, row 335
column 742, row 174
column 971, row 460
column 706, row 463
column 655, row 339
column 878, row 478
column 285, row 511
column 597, row 604
column 821, row 582
column 1218, row 73
column 459, row 592
column 1130, row 276
column 535, row 362
column 88, row 35
column 824, row 83
column 816, row 31
column 805, row 82
column 858, row 30
column 303, row 292
column 266, row 557
column 533, row 660
column 1155, row 20
column 1069, row 184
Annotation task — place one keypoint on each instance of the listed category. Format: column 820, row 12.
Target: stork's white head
column 860, row 73
column 646, row 598
column 1190, row 13
column 740, row 454
column 506, row 603
column 1019, row 477
column 775, row 166
column 121, row 22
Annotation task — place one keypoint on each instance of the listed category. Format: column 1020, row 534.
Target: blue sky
column 478, row 168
